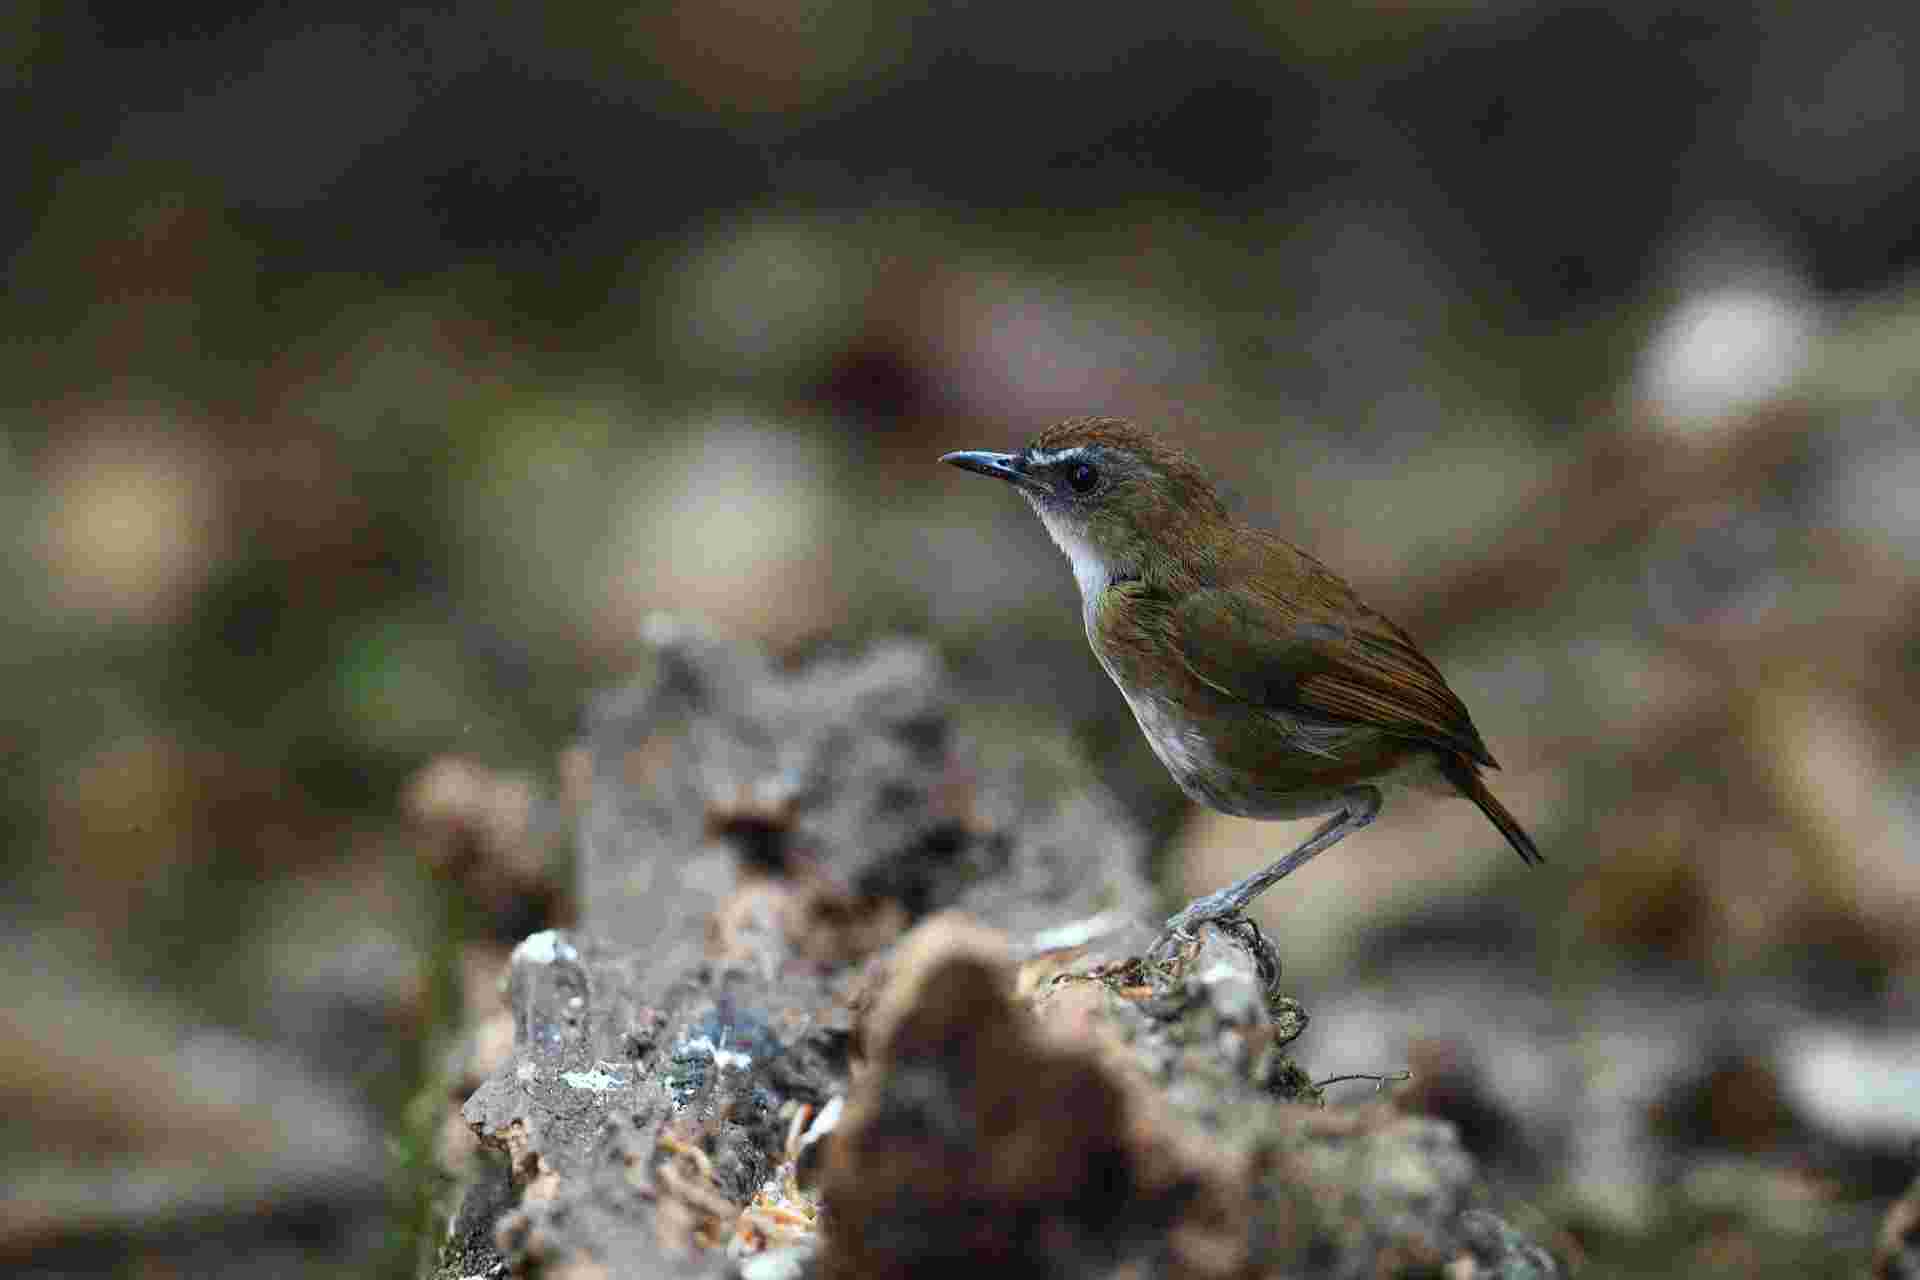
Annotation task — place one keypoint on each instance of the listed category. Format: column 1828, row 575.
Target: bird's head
column 1118, row 500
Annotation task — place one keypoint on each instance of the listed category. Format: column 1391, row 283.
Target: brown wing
column 1339, row 661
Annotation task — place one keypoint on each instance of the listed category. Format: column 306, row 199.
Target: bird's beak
column 1001, row 466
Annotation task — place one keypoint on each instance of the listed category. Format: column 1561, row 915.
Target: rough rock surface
column 845, row 1003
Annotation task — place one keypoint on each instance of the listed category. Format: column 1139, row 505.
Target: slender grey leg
column 1363, row 805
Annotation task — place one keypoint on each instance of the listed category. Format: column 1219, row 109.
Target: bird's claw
column 1182, row 928
column 1182, row 931
column 1170, row 942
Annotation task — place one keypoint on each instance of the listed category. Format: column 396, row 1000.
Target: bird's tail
column 1464, row 774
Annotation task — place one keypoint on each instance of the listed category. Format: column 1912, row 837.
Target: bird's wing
column 1349, row 666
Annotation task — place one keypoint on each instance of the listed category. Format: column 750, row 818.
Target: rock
column 845, row 1003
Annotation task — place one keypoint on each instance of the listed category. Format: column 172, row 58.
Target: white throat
column 1090, row 569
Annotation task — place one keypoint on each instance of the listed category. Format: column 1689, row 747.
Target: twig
column 1379, row 1082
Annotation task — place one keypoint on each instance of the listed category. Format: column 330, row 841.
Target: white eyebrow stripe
column 1042, row 458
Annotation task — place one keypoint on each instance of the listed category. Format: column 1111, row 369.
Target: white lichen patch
column 787, row 1263
column 723, row 1057
column 1855, row 1085
column 526, row 1073
column 1077, row 933
column 824, row 1123
column 544, row 948
column 599, row 1080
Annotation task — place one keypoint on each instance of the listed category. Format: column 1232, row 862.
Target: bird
column 1261, row 680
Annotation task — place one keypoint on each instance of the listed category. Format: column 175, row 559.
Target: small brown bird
column 1264, row 684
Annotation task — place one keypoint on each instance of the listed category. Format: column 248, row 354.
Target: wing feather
column 1343, row 664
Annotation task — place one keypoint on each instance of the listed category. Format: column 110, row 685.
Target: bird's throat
column 1093, row 570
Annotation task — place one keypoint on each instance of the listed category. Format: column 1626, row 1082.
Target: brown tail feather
column 1461, row 772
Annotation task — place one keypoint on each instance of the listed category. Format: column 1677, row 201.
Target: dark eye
column 1081, row 477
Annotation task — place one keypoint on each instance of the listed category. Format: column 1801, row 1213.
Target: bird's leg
column 1362, row 806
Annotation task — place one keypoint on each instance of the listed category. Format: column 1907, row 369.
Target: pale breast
column 1187, row 753
column 1195, row 762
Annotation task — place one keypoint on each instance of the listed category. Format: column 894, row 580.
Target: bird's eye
column 1082, row 477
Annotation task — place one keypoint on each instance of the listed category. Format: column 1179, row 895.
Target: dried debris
column 495, row 834
column 972, row 1134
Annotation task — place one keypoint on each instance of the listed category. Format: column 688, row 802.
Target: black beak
column 1001, row 466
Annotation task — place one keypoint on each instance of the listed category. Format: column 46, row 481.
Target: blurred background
column 368, row 381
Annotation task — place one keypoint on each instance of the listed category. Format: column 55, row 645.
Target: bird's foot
column 1182, row 928
column 1221, row 905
